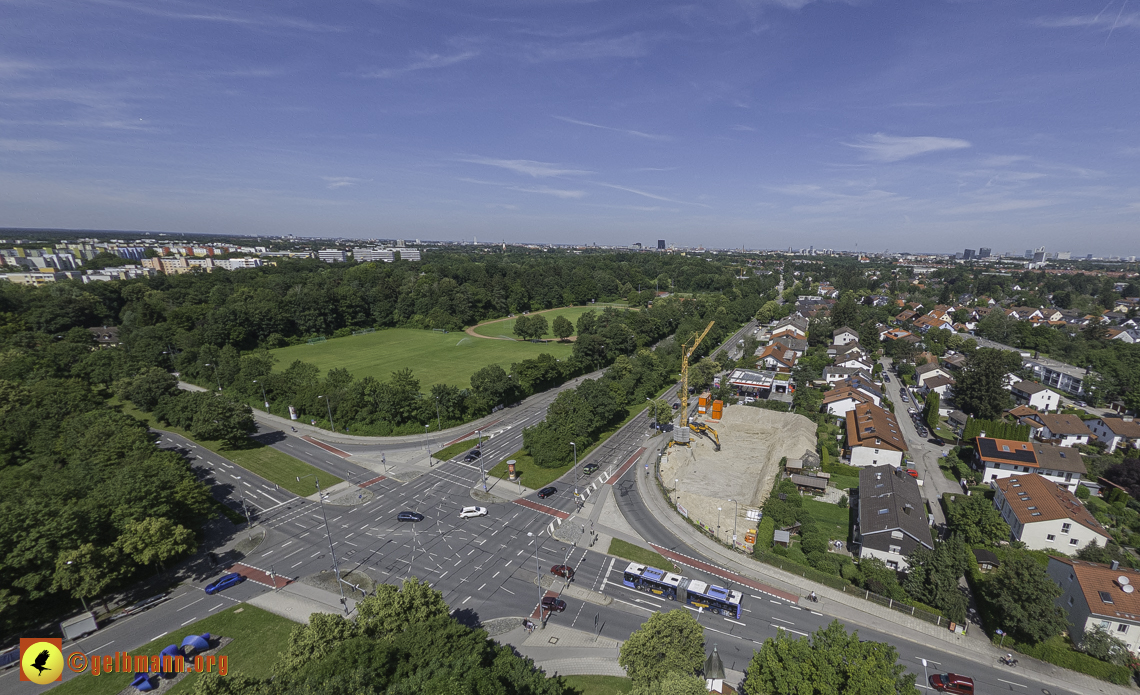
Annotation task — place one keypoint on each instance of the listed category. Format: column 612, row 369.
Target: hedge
column 996, row 430
column 1059, row 651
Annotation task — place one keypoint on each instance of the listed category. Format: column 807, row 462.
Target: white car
column 468, row 512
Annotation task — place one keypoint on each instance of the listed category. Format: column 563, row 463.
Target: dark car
column 565, row 571
column 676, row 406
column 557, row 605
column 887, row 378
column 952, row 683
column 409, row 516
column 546, row 492
column 225, row 582
column 589, row 468
column 472, row 455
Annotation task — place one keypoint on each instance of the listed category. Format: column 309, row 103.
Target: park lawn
column 262, row 459
column 433, row 357
column 597, row 685
column 506, row 328
column 258, row 638
column 834, row 519
column 637, row 554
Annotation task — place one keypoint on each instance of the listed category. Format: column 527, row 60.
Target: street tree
column 667, row 643
column 147, row 388
column 660, row 411
column 828, row 661
column 673, row 684
column 980, row 388
column 1022, row 595
column 975, row 518
column 221, row 418
column 154, row 540
column 933, row 576
column 392, row 610
column 562, row 328
column 313, row 641
column 87, row 571
column 491, row 386
column 930, row 411
column 845, row 312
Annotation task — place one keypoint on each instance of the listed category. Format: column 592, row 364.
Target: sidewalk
column 852, row 610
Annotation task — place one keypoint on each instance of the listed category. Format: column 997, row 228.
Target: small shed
column 783, row 538
column 986, row 559
column 958, row 418
column 714, row 672
column 809, row 483
column 794, row 466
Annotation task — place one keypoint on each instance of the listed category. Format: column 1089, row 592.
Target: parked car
column 565, row 571
column 557, row 605
column 546, row 492
column 468, row 512
column 886, row 377
column 472, row 455
column 589, row 468
column 225, row 582
column 676, row 406
column 409, row 516
column 952, row 683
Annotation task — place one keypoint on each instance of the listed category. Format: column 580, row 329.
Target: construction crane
column 681, row 434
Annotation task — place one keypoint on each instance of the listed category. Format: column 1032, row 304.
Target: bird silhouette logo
column 42, row 659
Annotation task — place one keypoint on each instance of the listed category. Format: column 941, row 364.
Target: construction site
column 751, row 443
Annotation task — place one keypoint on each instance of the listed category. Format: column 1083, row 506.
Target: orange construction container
column 703, row 403
column 717, row 409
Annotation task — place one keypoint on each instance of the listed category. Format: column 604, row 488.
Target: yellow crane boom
column 685, row 354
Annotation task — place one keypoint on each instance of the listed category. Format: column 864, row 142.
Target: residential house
column 834, row 374
column 796, row 345
column 1095, row 595
column 1035, row 396
column 926, row 322
column 929, row 371
column 840, row 401
column 905, row 315
column 1116, row 431
column 793, row 326
column 938, row 384
column 106, row 336
column 855, row 361
column 954, row 362
column 1001, row 458
column 892, row 519
column 1066, row 430
column 874, row 437
column 843, row 336
column 776, row 357
column 1044, row 515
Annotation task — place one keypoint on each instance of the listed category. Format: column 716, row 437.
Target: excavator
column 681, row 434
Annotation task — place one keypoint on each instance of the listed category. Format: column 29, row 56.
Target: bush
column 843, row 501
column 1059, row 651
column 764, row 534
column 1082, row 492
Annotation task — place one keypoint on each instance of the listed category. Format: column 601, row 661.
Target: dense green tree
column 391, row 610
column 314, row 640
column 492, row 386
column 147, row 388
column 829, row 661
column 672, row 684
column 562, row 328
column 1102, row 644
column 845, row 312
column 933, row 576
column 980, row 388
column 87, row 571
column 667, row 643
column 154, row 540
column 976, row 519
column 1022, row 596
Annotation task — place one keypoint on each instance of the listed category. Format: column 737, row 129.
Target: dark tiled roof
column 889, row 499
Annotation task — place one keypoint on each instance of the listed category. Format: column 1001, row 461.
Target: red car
column 952, row 683
column 565, row 571
column 557, row 605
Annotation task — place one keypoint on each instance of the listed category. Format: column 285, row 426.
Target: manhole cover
column 553, row 640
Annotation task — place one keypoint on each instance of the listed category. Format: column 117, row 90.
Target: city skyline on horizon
column 765, row 123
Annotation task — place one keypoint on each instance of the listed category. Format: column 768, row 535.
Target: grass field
column 271, row 464
column 831, row 517
column 435, row 358
column 638, row 554
column 597, row 685
column 507, row 327
column 258, row 637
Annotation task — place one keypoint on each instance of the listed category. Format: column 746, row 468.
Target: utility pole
column 479, row 448
column 438, row 421
column 537, row 574
column 244, row 508
column 263, row 397
column 735, row 514
column 332, row 552
column 217, row 379
column 329, row 406
column 575, row 446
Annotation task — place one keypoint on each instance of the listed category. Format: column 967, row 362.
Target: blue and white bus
column 688, row 591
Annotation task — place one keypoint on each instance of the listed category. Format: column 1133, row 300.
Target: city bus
column 691, row 592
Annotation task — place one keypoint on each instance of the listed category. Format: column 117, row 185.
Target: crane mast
column 687, row 352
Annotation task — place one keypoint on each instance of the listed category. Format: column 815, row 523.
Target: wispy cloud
column 334, row 182
column 991, row 206
column 424, row 62
column 635, row 133
column 185, row 12
column 891, row 148
column 526, row 166
column 7, row 145
column 1105, row 21
column 544, row 190
column 654, row 196
column 628, row 46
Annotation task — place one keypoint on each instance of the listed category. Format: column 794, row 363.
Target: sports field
column 496, row 329
column 435, row 358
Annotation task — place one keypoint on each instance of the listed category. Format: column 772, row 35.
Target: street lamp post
column 85, row 610
column 718, row 523
column 575, row 447
column 735, row 514
column 216, row 377
column 537, row 573
column 438, row 421
column 479, row 447
column 263, row 397
column 244, row 508
column 332, row 552
column 328, row 405
column 677, row 491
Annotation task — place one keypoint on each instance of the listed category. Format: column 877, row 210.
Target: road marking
column 814, row 613
column 1012, row 683
column 783, row 621
column 480, row 588
column 92, row 651
column 193, row 619
column 507, row 590
column 496, row 574
column 466, row 600
column 212, row 609
column 159, row 637
column 295, row 566
column 771, row 601
column 737, row 622
column 191, row 604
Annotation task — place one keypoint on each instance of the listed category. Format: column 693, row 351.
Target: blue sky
column 925, row 125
